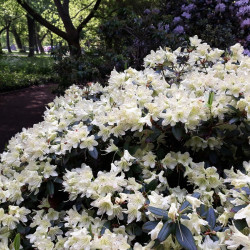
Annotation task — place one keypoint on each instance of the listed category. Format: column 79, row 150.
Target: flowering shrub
column 134, row 32
column 219, row 22
column 157, row 159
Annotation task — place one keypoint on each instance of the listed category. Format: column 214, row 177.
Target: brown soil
column 21, row 109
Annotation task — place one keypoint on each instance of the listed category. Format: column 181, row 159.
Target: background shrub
column 18, row 71
column 125, row 38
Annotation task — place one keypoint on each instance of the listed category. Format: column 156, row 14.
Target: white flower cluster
column 183, row 99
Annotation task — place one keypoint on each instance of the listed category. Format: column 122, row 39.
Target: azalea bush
column 157, row 159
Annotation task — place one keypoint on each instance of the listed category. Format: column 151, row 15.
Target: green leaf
column 106, row 225
column 246, row 189
column 185, row 237
column 153, row 136
column 132, row 149
column 125, row 65
column 233, row 120
column 232, row 108
column 137, row 231
column 136, row 169
column 240, row 224
column 50, row 188
column 177, row 132
column 149, row 226
column 210, row 98
column 165, row 231
column 17, row 242
column 93, row 153
column 202, row 210
column 238, row 208
column 21, row 229
column 186, row 204
column 247, row 126
column 58, row 180
column 151, row 186
column 211, row 217
column 158, row 211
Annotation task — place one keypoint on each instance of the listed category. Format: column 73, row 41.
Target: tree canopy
column 70, row 22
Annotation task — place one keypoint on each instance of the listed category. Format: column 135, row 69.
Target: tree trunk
column 36, row 44
column 51, row 45
column 8, row 39
column 1, row 48
column 17, row 38
column 39, row 43
column 74, row 47
column 71, row 33
column 31, row 29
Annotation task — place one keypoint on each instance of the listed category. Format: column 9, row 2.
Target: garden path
column 21, row 109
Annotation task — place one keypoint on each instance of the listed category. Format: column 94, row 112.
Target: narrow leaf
column 202, row 210
column 17, row 242
column 165, row 231
column 237, row 208
column 177, row 132
column 158, row 211
column 106, row 225
column 210, row 98
column 247, row 190
column 149, row 226
column 93, row 153
column 50, row 188
column 186, row 204
column 151, row 186
column 211, row 217
column 240, row 224
column 233, row 120
column 232, row 108
column 185, row 237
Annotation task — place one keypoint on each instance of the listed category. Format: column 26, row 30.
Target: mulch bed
column 21, row 109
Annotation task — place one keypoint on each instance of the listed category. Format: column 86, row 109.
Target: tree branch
column 42, row 20
column 66, row 5
column 2, row 30
column 84, row 8
column 42, row 38
column 89, row 17
column 64, row 15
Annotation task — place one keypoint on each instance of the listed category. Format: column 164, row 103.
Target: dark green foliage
column 166, row 230
column 185, row 237
column 92, row 66
column 211, row 217
column 18, row 72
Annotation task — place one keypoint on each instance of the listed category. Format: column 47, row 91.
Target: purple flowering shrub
column 220, row 23
column 135, row 33
column 131, row 33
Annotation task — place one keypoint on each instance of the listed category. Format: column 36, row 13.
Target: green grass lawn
column 17, row 70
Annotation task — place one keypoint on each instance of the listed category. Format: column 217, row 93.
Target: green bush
column 92, row 66
column 18, row 71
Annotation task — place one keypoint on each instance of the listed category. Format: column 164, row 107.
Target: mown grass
column 18, row 71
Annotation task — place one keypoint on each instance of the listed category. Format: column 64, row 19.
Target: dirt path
column 21, row 109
